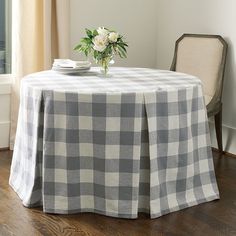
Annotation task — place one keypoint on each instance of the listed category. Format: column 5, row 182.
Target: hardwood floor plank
column 214, row 218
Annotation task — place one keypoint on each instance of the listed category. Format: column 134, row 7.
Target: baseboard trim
column 229, row 138
column 228, row 154
column 4, row 134
column 4, row 149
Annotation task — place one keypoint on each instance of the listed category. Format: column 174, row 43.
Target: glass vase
column 105, row 63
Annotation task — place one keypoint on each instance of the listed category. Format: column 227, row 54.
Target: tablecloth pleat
column 181, row 165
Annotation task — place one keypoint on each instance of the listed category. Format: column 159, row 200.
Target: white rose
column 102, row 31
column 100, row 43
column 113, row 36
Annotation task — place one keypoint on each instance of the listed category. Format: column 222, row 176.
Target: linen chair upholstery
column 204, row 56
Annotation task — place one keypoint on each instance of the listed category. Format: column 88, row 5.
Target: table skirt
column 115, row 154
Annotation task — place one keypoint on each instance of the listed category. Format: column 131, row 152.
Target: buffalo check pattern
column 136, row 142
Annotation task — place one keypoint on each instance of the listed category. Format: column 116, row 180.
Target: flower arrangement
column 102, row 44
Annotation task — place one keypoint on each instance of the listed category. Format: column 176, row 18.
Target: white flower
column 102, row 31
column 113, row 36
column 100, row 43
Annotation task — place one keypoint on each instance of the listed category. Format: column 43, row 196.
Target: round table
column 134, row 141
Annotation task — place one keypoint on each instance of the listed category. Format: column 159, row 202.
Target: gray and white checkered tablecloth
column 137, row 141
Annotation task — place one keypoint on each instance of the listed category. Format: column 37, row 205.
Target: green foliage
column 111, row 48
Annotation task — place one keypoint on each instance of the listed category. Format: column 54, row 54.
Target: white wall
column 203, row 16
column 135, row 19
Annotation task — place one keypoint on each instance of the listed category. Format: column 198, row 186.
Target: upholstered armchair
column 204, row 56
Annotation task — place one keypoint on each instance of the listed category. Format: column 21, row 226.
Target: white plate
column 67, row 63
column 71, row 70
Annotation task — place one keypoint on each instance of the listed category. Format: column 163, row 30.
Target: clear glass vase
column 105, row 63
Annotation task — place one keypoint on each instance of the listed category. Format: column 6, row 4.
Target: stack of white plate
column 67, row 66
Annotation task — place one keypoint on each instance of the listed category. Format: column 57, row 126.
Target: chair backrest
column 203, row 56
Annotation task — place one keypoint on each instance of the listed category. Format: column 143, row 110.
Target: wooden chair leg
column 218, row 127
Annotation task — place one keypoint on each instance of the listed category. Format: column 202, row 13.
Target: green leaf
column 89, row 33
column 95, row 33
column 77, row 47
column 122, row 52
column 122, row 46
column 86, row 41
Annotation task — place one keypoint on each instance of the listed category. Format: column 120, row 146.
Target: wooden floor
column 214, row 218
